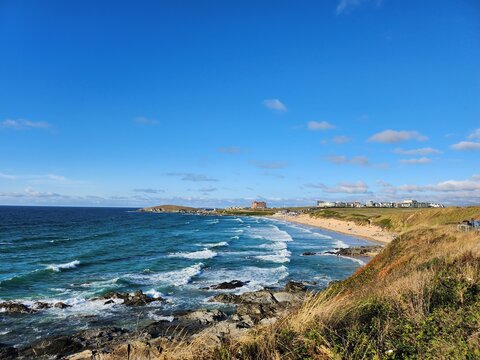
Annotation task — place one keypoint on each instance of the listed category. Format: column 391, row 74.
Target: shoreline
column 371, row 232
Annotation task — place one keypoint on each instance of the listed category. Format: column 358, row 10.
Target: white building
column 325, row 204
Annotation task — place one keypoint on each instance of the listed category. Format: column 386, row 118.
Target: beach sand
column 370, row 232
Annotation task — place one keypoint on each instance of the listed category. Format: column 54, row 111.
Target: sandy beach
column 370, row 232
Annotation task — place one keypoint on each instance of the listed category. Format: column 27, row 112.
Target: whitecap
column 202, row 254
column 219, row 244
column 154, row 293
column 60, row 267
column 156, row 317
column 178, row 277
column 257, row 277
column 281, row 256
column 272, row 233
column 339, row 244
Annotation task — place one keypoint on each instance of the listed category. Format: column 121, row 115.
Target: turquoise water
column 75, row 254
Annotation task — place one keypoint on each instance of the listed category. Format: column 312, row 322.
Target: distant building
column 382, row 204
column 325, row 204
column 259, row 205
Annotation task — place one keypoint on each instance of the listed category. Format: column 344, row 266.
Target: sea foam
column 178, row 277
column 202, row 254
column 60, row 267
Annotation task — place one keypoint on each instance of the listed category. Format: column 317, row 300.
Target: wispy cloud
column 273, row 174
column 192, row 177
column 230, row 150
column 348, row 5
column 341, row 159
column 466, row 145
column 471, row 184
column 319, row 125
column 149, row 191
column 417, row 152
column 340, row 139
column 416, row 161
column 275, row 104
column 269, row 165
column 474, row 135
column 394, row 136
column 21, row 124
column 358, row 187
column 145, row 121
column 207, row 190
column 36, row 178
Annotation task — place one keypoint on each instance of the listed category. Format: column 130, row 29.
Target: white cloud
column 21, row 124
column 275, row 104
column 466, row 145
column 269, row 165
column 145, row 121
column 394, row 136
column 319, row 125
column 422, row 160
column 471, row 184
column 35, row 178
column 340, row 139
column 8, row 176
column 358, row 187
column 346, row 5
column 417, row 152
column 230, row 150
column 149, row 191
column 475, row 134
column 192, row 177
column 356, row 160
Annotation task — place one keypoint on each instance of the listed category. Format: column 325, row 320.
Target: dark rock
column 204, row 316
column 41, row 305
column 138, row 298
column 257, row 311
column 16, row 308
column 295, row 286
column 309, row 253
column 109, row 302
column 61, row 305
column 360, row 250
column 225, row 298
column 8, row 352
column 229, row 285
column 57, row 345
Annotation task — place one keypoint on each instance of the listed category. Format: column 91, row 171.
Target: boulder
column 257, row 297
column 136, row 299
column 16, row 308
column 287, row 297
column 229, row 285
column 295, row 286
column 309, row 253
column 57, row 345
column 8, row 352
column 40, row 305
column 61, row 305
column 204, row 316
column 225, row 298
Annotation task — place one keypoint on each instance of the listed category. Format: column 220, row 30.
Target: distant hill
column 168, row 208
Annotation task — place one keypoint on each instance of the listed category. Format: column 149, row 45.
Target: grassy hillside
column 400, row 220
column 418, row 299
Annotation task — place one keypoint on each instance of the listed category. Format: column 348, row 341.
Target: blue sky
column 216, row 103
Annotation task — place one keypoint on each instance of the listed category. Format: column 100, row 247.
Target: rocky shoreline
column 354, row 251
column 251, row 308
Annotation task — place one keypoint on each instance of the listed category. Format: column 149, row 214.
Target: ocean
column 72, row 255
